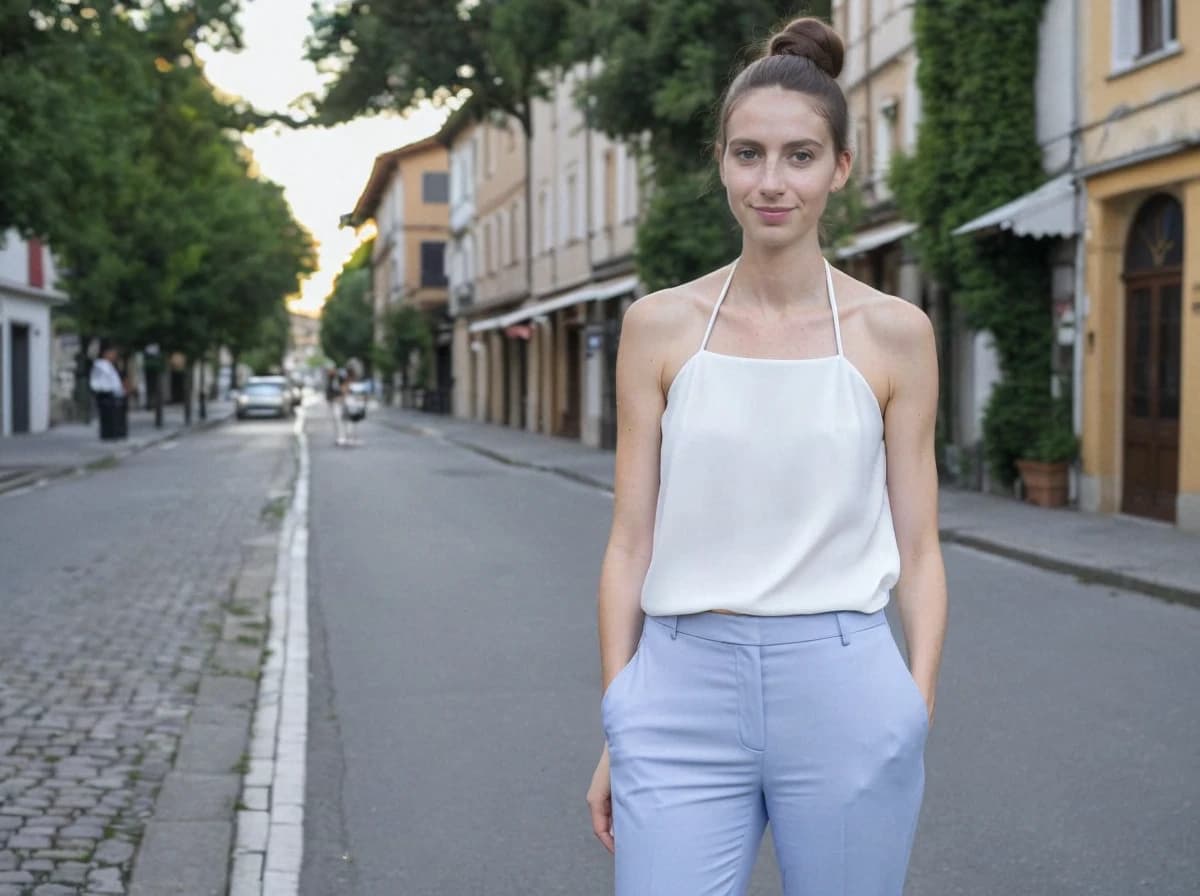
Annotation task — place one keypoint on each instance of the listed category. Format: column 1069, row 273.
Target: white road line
column 269, row 848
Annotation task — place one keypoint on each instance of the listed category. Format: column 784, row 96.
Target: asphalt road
column 454, row 716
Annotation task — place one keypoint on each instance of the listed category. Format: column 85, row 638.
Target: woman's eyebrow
column 791, row 144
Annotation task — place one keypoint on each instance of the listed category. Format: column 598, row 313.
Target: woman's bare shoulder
column 891, row 322
column 675, row 309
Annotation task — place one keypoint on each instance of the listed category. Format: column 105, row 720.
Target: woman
column 775, row 479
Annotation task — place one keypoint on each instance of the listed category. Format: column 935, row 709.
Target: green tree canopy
column 347, row 319
column 663, row 69
column 115, row 149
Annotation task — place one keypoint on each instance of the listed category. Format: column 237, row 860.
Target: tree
column 396, row 54
column 266, row 351
column 347, row 319
column 166, row 236
column 664, row 68
column 406, row 348
column 75, row 69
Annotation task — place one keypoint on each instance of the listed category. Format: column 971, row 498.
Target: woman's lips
column 773, row 215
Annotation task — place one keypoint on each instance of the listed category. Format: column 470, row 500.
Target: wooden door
column 1153, row 324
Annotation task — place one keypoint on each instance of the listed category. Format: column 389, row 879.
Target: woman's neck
column 781, row 279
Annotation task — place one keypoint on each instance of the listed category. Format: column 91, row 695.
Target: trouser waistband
column 767, row 630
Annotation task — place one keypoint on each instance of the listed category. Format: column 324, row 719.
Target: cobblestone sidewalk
column 112, row 600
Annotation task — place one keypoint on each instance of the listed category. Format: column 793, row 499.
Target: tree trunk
column 159, row 385
column 203, row 394
column 188, row 372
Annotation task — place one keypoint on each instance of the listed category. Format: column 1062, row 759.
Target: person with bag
column 333, row 400
column 353, row 407
column 109, row 391
column 775, row 481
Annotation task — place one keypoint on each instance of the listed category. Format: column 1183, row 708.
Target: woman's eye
column 803, row 156
column 746, row 154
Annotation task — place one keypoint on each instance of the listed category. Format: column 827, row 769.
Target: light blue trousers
column 720, row 723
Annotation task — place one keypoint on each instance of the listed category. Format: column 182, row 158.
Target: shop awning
column 867, row 240
column 593, row 292
column 1047, row 211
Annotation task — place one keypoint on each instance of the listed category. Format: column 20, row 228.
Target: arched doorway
column 1153, row 311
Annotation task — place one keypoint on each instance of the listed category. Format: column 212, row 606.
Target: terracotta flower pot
column 1046, row 484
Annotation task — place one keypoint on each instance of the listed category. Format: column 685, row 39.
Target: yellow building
column 1140, row 162
column 408, row 197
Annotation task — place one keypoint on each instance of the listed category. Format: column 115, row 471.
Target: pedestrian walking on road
column 333, row 400
column 353, row 405
column 775, row 480
column 109, row 391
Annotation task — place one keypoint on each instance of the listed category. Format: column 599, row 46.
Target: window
column 1156, row 24
column 887, row 139
column 610, row 189
column 513, row 238
column 1141, row 28
column 435, row 186
column 571, row 208
column 433, row 264
column 547, row 223
column 503, row 248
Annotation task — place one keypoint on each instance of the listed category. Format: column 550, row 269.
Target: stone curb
column 269, row 846
column 45, row 477
column 1089, row 574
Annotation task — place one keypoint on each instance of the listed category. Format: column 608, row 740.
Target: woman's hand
column 599, row 800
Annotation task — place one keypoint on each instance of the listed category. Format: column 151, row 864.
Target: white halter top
column 772, row 497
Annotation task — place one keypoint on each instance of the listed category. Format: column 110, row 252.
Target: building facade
column 27, row 294
column 495, row 161
column 460, row 136
column 1140, row 321
column 560, row 344
column 408, row 198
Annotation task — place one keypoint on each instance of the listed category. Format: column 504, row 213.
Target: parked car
column 264, row 396
column 294, row 391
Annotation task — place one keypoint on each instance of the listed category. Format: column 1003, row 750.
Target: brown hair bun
column 812, row 39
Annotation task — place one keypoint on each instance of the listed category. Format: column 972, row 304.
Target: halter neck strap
column 717, row 307
column 837, row 327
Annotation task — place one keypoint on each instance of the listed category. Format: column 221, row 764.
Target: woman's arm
column 640, row 405
column 912, row 484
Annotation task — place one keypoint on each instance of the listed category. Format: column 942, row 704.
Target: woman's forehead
column 775, row 114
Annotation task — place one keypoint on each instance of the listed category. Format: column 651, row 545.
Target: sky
column 322, row 170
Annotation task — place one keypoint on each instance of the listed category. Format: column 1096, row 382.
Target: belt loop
column 674, row 627
column 842, row 630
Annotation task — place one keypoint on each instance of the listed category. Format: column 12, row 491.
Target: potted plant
column 1045, row 468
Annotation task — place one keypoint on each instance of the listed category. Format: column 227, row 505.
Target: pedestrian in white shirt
column 105, row 378
column 109, row 390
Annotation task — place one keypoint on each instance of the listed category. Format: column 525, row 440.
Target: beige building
column 408, row 198
column 559, row 346
column 1140, row 326
column 879, row 80
column 489, row 265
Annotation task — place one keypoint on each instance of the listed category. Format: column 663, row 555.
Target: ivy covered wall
column 976, row 149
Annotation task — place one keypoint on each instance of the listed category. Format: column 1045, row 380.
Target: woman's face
column 779, row 165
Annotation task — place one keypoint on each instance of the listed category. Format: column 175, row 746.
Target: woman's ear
column 841, row 171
